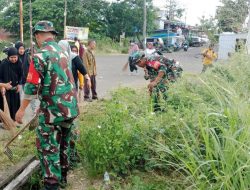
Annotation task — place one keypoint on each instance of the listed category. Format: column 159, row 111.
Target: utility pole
column 65, row 17
column 21, row 19
column 248, row 27
column 31, row 35
column 144, row 23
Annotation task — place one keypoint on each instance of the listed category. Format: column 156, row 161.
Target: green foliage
column 101, row 17
column 5, row 3
column 114, row 142
column 232, row 15
column 208, row 25
column 107, row 45
column 127, row 16
column 34, row 182
column 174, row 11
column 203, row 138
column 212, row 145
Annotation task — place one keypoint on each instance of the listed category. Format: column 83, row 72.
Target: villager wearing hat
column 156, row 72
column 50, row 76
column 11, row 71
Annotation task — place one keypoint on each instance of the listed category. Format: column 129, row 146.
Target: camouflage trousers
column 53, row 150
column 74, row 136
column 157, row 92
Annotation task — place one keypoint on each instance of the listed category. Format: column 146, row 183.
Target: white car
column 204, row 39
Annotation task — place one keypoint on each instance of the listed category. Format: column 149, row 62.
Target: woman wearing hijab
column 24, row 60
column 76, row 63
column 11, row 71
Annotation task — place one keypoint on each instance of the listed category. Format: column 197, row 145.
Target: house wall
column 227, row 43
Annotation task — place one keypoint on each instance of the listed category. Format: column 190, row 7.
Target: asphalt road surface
column 110, row 75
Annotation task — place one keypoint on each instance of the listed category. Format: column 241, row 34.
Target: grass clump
column 203, row 137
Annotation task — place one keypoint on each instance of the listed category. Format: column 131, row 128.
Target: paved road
column 111, row 76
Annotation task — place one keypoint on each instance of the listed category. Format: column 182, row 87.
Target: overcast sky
column 194, row 8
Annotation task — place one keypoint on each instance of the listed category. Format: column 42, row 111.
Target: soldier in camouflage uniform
column 157, row 73
column 50, row 76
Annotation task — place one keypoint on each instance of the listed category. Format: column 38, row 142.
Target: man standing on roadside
column 50, row 76
column 90, row 64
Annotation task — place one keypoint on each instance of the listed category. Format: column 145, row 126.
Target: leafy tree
column 174, row 11
column 80, row 13
column 5, row 4
column 127, row 16
column 231, row 15
column 53, row 11
column 87, row 13
column 209, row 26
column 100, row 16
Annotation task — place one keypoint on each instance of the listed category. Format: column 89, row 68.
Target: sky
column 194, row 9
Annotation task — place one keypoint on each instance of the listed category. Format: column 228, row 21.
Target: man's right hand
column 19, row 116
column 88, row 83
column 8, row 85
column 3, row 91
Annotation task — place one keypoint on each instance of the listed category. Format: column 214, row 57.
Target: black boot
column 63, row 182
column 51, row 187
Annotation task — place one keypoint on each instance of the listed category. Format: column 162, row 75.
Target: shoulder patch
column 33, row 75
column 154, row 64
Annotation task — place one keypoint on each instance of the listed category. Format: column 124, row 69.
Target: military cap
column 44, row 26
column 137, row 56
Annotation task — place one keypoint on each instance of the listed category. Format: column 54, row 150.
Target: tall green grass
column 201, row 140
column 212, row 149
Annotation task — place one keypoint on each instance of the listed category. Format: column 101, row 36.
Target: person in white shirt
column 150, row 49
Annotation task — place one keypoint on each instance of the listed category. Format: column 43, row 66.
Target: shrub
column 213, row 150
column 114, row 141
column 203, row 137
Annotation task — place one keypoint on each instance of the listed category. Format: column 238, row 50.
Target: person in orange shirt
column 208, row 57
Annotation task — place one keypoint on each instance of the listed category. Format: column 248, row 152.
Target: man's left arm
column 161, row 74
column 30, row 89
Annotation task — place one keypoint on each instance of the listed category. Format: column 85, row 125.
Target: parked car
column 204, row 39
column 195, row 41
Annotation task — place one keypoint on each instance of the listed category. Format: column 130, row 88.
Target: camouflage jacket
column 153, row 68
column 51, row 78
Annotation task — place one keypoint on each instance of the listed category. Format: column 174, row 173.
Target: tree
column 231, row 15
column 209, row 26
column 5, row 4
column 101, row 17
column 173, row 10
column 127, row 16
column 80, row 13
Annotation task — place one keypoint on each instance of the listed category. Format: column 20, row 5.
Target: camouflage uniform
column 152, row 70
column 50, row 76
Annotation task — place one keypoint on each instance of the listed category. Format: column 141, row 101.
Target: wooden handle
column 19, row 132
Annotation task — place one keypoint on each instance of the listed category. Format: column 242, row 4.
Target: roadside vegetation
column 200, row 142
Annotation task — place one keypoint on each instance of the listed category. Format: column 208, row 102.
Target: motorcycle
column 185, row 46
column 177, row 47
